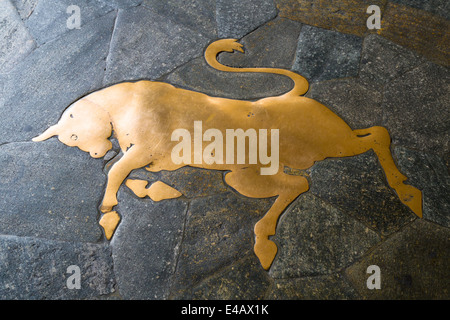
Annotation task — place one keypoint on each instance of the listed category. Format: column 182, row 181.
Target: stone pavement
column 200, row 246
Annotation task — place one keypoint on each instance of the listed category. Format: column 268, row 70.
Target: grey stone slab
column 197, row 75
column 383, row 60
column 415, row 109
column 24, row 7
column 51, row 191
column 357, row 186
column 236, row 18
column 16, row 41
column 194, row 182
column 123, row 4
column 413, row 265
column 51, row 78
column 218, row 232
column 359, row 106
column 325, row 54
column 245, row 280
column 330, row 287
column 430, row 174
column 36, row 269
column 49, row 18
column 438, row 7
column 314, row 238
column 146, row 245
column 147, row 45
column 271, row 45
column 197, row 15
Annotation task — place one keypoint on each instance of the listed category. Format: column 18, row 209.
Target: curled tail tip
column 228, row 45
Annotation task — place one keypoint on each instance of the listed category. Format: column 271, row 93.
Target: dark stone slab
column 330, row 287
column 430, row 174
column 357, row 185
column 418, row 30
column 197, row 75
column 271, row 45
column 244, row 280
column 36, row 269
column 123, row 4
column 49, row 18
column 218, row 232
column 346, row 16
column 193, row 182
column 316, row 239
column 197, row 15
column 438, row 7
column 413, row 265
column 325, row 54
column 383, row 61
column 49, row 190
column 236, row 18
column 359, row 106
column 146, row 245
column 51, row 78
column 415, row 109
column 16, row 41
column 149, row 55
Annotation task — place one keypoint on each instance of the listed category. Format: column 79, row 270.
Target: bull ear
column 50, row 132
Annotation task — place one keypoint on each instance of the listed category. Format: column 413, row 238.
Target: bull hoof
column 266, row 251
column 412, row 197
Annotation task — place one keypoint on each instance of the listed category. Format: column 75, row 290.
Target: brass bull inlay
column 143, row 115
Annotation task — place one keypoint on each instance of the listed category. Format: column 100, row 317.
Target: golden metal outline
column 142, row 116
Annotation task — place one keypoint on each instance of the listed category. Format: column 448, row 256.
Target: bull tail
column 301, row 85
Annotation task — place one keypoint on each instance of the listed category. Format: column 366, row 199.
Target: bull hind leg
column 378, row 139
column 252, row 184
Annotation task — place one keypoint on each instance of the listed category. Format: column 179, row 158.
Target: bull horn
column 50, row 132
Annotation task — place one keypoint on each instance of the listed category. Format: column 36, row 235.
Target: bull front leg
column 133, row 159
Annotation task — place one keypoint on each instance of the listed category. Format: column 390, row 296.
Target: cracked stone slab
column 123, row 4
column 329, row 287
column 383, row 61
column 24, row 7
column 372, row 201
column 36, row 269
column 315, row 238
column 149, row 55
column 429, row 173
column 50, row 191
column 49, row 18
column 219, row 231
column 194, row 14
column 418, row 30
column 346, row 16
column 415, row 109
column 413, row 264
column 325, row 54
column 236, row 18
column 51, row 78
column 146, row 245
column 16, row 40
column 359, row 106
column 244, row 280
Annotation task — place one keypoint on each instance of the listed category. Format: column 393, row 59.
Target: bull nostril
column 74, row 137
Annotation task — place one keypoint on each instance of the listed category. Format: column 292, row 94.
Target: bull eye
column 74, row 137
